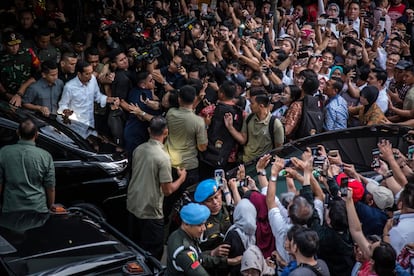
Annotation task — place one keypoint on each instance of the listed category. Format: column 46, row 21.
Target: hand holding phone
column 218, row 176
column 344, row 187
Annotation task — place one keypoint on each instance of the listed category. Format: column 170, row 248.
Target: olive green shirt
column 25, row 172
column 151, row 166
column 186, row 131
column 259, row 141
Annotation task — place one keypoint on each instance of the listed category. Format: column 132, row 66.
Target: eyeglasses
column 176, row 64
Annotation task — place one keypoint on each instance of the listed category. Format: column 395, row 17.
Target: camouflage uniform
column 15, row 69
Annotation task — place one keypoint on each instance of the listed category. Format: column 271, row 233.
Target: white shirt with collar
column 403, row 232
column 382, row 100
column 80, row 98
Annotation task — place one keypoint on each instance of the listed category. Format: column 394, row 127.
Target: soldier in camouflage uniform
column 17, row 66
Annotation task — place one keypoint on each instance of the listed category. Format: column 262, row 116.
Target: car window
column 8, row 136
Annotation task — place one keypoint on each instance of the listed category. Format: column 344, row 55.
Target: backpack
column 312, row 117
column 271, row 128
column 220, row 141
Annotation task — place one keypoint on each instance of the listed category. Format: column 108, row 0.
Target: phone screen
column 410, row 153
column 375, row 158
column 218, row 176
column 344, row 187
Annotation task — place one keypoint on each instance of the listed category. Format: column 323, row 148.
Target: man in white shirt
column 79, row 95
column 377, row 77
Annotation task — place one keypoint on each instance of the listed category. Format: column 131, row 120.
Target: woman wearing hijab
column 368, row 112
column 264, row 236
column 242, row 233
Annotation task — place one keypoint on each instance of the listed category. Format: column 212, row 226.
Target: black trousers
column 148, row 234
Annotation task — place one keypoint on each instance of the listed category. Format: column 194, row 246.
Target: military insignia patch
column 192, row 256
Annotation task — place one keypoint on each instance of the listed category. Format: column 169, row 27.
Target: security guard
column 210, row 195
column 184, row 255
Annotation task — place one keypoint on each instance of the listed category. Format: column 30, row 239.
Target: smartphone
column 213, row 4
column 410, row 153
column 343, row 188
column 322, row 21
column 318, row 163
column 375, row 158
column 288, row 163
column 303, row 55
column 204, row 7
column 333, row 153
column 242, row 183
column 315, row 151
column 218, row 176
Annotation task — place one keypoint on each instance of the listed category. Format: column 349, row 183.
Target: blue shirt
column 336, row 113
column 373, row 219
column 43, row 94
column 136, row 130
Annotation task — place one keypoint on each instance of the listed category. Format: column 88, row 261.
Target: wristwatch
column 164, row 83
column 261, row 172
column 273, row 178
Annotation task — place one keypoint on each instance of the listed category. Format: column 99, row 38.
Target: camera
column 147, row 54
column 343, row 188
column 375, row 158
column 210, row 18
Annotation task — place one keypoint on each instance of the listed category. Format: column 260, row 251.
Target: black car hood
column 45, row 242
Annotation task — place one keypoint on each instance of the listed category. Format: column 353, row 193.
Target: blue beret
column 205, row 189
column 194, row 213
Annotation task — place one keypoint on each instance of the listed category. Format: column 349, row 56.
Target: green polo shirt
column 25, row 172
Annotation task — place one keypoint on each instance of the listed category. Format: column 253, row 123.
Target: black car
column 354, row 144
column 86, row 169
column 69, row 242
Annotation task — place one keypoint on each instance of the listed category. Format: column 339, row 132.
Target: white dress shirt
column 80, row 98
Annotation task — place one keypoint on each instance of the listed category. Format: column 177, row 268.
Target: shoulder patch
column 192, row 256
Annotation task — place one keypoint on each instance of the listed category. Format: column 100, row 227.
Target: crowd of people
column 188, row 89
